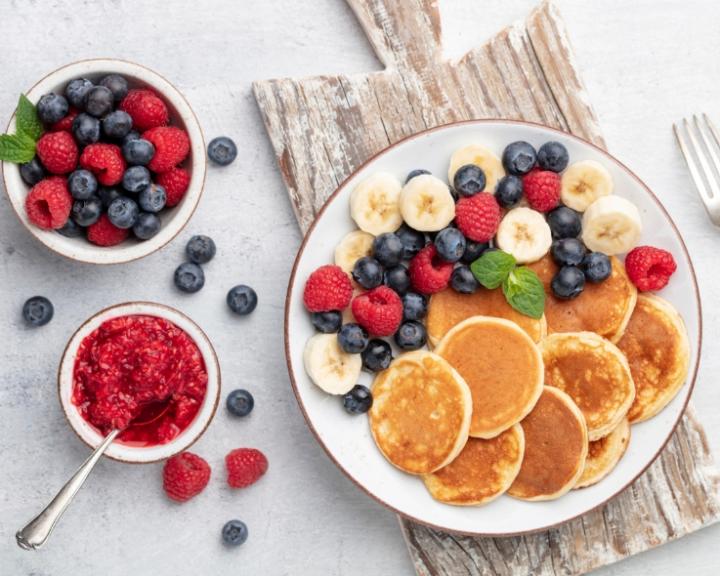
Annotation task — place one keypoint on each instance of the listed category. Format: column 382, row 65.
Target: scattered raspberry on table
column 245, row 466
column 185, row 475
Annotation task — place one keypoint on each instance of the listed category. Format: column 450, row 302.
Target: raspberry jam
column 143, row 369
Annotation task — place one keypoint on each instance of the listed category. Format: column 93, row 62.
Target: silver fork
column 700, row 145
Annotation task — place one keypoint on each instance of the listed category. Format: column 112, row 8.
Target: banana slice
column 480, row 156
column 426, row 203
column 374, row 204
column 611, row 225
column 351, row 248
column 525, row 234
column 583, row 183
column 328, row 366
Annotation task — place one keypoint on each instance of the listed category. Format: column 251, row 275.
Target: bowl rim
column 151, row 309
column 201, row 162
column 691, row 380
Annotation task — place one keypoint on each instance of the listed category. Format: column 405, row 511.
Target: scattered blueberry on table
column 38, row 311
column 222, row 150
column 200, row 249
column 234, row 532
column 240, row 402
column 189, row 277
column 242, row 299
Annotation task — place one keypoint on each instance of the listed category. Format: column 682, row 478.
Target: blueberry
column 222, row 150
column 388, row 249
column 242, row 299
column 473, row 251
column 367, row 272
column 137, row 151
column 564, row 222
column 397, row 278
column 377, row 356
column 32, row 172
column 132, row 135
column 568, row 282
column 553, row 156
column 462, row 280
column 358, row 400
column 450, row 244
column 38, row 311
column 70, row 229
column 469, row 180
column 82, row 184
column 107, row 195
column 85, row 129
column 200, row 249
column 597, row 267
column 136, row 178
column 509, row 191
column 326, row 322
column 146, row 226
column 353, row 338
column 414, row 306
column 240, row 402
column 87, row 212
column 519, row 158
column 98, row 101
column 414, row 173
column 116, row 84
column 189, row 277
column 76, row 92
column 567, row 251
column 411, row 335
column 412, row 241
column 234, row 532
column 123, row 212
column 117, row 124
column 52, row 108
column 153, row 198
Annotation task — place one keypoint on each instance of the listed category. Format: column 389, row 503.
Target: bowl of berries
column 103, row 161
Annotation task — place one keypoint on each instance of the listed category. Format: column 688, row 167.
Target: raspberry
column 649, row 268
column 542, row 189
column 478, row 217
column 171, row 147
column 146, row 109
column 428, row 272
column 184, row 476
column 48, row 203
column 105, row 233
column 176, row 182
column 66, row 123
column 379, row 311
column 328, row 288
column 245, row 466
column 105, row 161
column 58, row 152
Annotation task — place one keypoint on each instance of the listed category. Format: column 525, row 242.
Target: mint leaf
column 492, row 268
column 524, row 291
column 17, row 148
column 27, row 119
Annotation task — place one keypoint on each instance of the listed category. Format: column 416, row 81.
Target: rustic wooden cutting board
column 324, row 128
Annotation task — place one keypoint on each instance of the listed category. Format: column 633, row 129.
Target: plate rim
column 291, row 285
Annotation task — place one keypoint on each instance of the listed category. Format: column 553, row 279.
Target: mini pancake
column 594, row 373
column 420, row 414
column 501, row 365
column 658, row 351
column 603, row 308
column 604, row 454
column 556, row 445
column 448, row 308
column 484, row 470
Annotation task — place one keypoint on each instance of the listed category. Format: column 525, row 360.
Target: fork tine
column 711, row 144
column 691, row 164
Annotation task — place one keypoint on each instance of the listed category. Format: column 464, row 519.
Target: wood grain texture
column 324, row 128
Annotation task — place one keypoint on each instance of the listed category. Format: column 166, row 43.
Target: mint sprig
column 492, row 268
column 19, row 148
column 27, row 119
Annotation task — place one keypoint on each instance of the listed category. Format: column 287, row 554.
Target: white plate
column 347, row 439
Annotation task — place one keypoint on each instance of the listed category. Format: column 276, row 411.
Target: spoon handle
column 39, row 528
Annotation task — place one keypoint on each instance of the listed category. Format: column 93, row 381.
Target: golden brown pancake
column 481, row 472
column 448, row 308
column 657, row 348
column 594, row 373
column 603, row 308
column 421, row 412
column 556, row 444
column 604, row 454
column 501, row 365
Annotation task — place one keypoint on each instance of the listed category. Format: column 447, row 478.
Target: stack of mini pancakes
column 531, row 407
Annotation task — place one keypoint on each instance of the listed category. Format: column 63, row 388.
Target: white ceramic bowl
column 118, row 450
column 173, row 219
column 348, row 440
